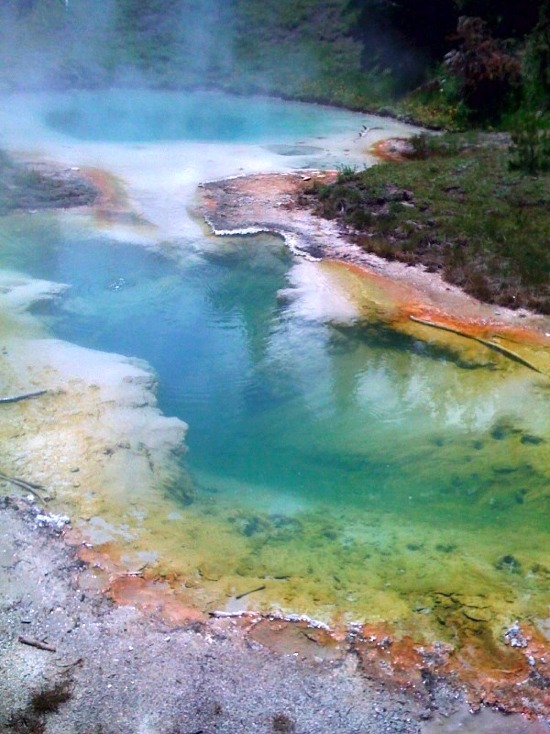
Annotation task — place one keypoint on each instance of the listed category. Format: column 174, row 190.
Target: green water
column 346, row 457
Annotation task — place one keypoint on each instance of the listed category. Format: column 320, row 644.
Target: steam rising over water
column 147, row 115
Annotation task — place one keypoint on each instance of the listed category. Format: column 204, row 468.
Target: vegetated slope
column 305, row 48
column 299, row 48
column 465, row 215
column 358, row 53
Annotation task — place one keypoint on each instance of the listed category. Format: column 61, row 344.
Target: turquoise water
column 341, row 469
column 147, row 115
column 344, row 470
column 291, row 408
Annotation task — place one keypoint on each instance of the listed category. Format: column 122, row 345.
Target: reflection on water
column 347, row 467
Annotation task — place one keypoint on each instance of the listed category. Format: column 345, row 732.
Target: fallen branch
column 24, row 396
column 252, row 591
column 28, row 486
column 232, row 615
column 79, row 661
column 36, row 643
column 486, row 342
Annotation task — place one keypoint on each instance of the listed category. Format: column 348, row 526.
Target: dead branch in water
column 486, row 342
column 28, row 486
column 24, row 396
column 36, row 643
column 252, row 591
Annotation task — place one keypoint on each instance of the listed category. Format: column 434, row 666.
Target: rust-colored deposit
column 446, row 317
column 396, row 150
column 138, row 588
column 112, row 204
column 511, row 673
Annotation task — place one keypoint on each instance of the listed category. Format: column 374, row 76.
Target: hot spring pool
column 340, row 469
column 151, row 115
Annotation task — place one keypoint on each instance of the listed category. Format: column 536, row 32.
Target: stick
column 70, row 665
column 36, row 643
column 497, row 347
column 24, row 396
column 28, row 486
column 252, row 591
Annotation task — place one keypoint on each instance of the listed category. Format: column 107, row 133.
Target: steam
column 86, row 43
column 89, row 43
column 246, row 46
column 55, row 43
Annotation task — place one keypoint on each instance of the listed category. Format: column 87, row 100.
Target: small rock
column 514, row 636
column 508, row 563
column 54, row 522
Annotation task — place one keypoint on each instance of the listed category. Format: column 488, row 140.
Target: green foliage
column 362, row 54
column 404, row 35
column 536, row 63
column 488, row 80
column 294, row 48
column 346, row 173
column 486, row 75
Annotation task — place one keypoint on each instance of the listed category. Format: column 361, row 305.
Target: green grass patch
column 461, row 211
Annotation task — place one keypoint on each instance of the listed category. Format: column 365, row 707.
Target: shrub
column 487, row 75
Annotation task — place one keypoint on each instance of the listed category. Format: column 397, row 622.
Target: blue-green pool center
column 344, row 453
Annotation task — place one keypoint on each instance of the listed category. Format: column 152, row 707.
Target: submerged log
column 486, row 342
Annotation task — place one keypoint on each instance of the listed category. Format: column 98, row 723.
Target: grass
column 460, row 211
column 302, row 49
column 47, row 700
